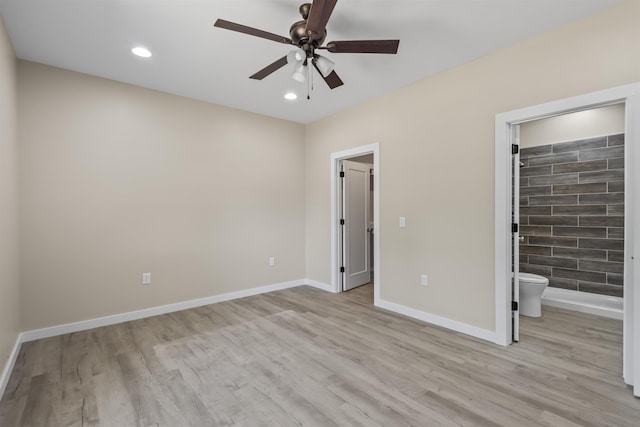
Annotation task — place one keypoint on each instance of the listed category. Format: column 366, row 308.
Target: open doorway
column 507, row 230
column 355, row 201
column 568, row 181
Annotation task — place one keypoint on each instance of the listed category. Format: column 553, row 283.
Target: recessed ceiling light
column 141, row 51
column 290, row 96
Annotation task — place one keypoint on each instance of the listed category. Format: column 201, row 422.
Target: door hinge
column 514, row 228
column 515, row 149
column 341, row 174
column 342, row 222
column 341, row 269
column 514, row 305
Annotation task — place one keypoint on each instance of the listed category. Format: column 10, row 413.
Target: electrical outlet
column 146, row 278
column 423, row 280
column 272, row 261
column 403, row 222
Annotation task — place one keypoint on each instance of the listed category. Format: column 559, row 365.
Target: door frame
column 336, row 158
column 514, row 136
column 346, row 229
column 630, row 96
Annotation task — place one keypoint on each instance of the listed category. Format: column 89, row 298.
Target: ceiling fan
column 309, row 35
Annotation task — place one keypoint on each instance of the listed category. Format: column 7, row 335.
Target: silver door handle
column 521, row 238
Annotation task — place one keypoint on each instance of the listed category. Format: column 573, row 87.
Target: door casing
column 335, row 215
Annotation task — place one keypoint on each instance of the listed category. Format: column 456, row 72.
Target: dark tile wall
column 572, row 213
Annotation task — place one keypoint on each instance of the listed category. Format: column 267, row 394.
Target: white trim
column 629, row 95
column 631, row 340
column 502, row 263
column 320, row 285
column 8, row 367
column 584, row 302
column 153, row 311
column 454, row 325
column 577, row 103
column 335, row 253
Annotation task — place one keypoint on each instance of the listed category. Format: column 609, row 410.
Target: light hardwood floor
column 305, row 357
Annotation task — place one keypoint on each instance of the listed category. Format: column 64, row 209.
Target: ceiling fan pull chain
column 310, row 82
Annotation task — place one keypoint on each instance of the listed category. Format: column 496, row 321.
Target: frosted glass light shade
column 324, row 65
column 300, row 73
column 295, row 56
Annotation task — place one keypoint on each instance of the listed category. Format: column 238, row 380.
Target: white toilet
column 531, row 288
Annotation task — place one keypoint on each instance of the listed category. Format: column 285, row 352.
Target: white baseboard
column 8, row 367
column 169, row 308
column 322, row 286
column 600, row 305
column 454, row 325
column 153, row 311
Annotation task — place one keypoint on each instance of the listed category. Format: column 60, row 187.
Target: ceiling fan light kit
column 324, row 65
column 309, row 35
column 296, row 56
column 299, row 73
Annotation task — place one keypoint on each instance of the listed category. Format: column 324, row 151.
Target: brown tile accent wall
column 572, row 213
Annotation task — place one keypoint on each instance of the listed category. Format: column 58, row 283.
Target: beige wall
column 437, row 159
column 118, row 180
column 574, row 126
column 9, row 284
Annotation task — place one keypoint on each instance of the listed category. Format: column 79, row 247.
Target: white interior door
column 355, row 208
column 515, row 234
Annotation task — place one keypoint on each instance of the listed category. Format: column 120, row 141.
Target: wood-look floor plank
column 305, row 357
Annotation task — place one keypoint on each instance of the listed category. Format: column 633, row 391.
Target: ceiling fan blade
column 363, row 46
column 228, row 25
column 318, row 17
column 332, row 80
column 270, row 69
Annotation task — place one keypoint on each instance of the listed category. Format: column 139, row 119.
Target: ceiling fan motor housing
column 299, row 36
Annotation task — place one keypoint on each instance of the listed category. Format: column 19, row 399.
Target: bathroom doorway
column 570, row 206
column 508, row 127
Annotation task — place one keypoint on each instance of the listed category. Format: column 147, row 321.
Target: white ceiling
column 193, row 59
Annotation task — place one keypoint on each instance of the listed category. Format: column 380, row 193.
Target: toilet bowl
column 531, row 288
